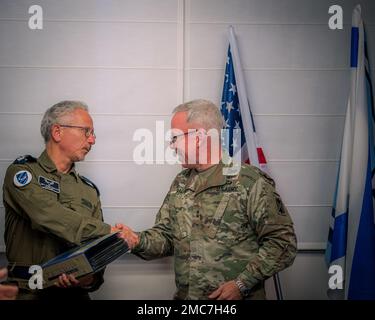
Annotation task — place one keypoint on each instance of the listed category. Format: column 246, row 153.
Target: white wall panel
column 128, row 184
column 305, row 183
column 306, row 279
column 104, row 90
column 281, row 92
column 300, row 137
column 107, row 10
column 115, row 135
column 133, row 278
column 138, row 218
column 89, row 44
column 20, row 134
column 311, row 225
column 286, row 137
column 270, row 46
column 271, row 11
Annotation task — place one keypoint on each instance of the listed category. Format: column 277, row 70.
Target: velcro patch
column 22, row 178
column 24, row 159
column 86, row 203
column 49, row 184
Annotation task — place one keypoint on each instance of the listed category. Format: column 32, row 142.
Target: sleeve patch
column 22, row 178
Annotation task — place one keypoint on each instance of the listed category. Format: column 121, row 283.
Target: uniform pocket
column 216, row 220
column 182, row 226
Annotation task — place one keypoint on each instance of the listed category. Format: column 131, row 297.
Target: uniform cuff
column 247, row 279
column 106, row 229
column 139, row 246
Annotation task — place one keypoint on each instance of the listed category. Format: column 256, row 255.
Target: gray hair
column 54, row 114
column 203, row 112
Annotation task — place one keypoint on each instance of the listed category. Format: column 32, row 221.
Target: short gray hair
column 55, row 113
column 203, row 112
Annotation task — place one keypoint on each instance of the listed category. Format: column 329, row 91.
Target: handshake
column 131, row 238
column 127, row 234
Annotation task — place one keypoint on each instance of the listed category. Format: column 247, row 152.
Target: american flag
column 236, row 112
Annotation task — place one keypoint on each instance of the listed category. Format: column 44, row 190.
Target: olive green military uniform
column 221, row 228
column 47, row 213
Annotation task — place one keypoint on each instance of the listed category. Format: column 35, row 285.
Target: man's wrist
column 242, row 288
column 138, row 245
column 94, row 284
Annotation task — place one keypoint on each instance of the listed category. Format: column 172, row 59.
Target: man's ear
column 56, row 133
column 200, row 136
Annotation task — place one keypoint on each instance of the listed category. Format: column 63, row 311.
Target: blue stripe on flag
column 338, row 249
column 354, row 48
column 362, row 278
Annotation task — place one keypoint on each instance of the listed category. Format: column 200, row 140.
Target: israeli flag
column 351, row 240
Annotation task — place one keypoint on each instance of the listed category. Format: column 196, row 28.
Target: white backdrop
column 133, row 61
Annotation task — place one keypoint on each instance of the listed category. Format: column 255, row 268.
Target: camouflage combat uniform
column 46, row 213
column 221, row 228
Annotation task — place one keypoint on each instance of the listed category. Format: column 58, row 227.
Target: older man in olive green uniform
column 49, row 206
column 228, row 233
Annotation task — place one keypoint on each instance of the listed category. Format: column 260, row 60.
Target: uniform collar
column 47, row 164
column 199, row 181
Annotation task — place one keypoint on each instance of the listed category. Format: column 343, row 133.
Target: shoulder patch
column 22, row 178
column 255, row 173
column 184, row 173
column 24, row 159
column 90, row 183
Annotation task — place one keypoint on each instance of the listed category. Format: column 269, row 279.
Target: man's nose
column 91, row 139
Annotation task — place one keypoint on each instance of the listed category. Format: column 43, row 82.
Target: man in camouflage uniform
column 49, row 207
column 228, row 233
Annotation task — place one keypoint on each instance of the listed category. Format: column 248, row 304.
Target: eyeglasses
column 88, row 131
column 174, row 138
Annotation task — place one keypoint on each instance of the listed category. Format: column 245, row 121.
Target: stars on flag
column 234, row 145
column 230, row 108
column 233, row 89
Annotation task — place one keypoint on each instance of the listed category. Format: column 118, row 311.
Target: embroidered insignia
column 22, row 178
column 49, row 184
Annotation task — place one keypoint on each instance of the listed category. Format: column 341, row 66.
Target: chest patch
column 49, row 184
